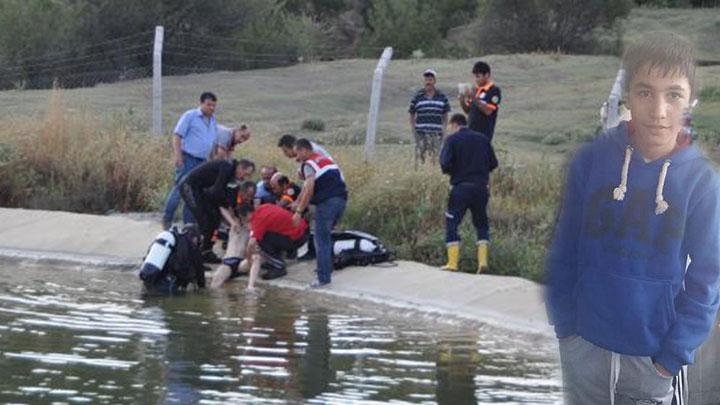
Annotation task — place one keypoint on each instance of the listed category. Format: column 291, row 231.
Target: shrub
column 313, row 124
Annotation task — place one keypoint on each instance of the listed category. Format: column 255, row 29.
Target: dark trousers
column 275, row 244
column 206, row 214
column 463, row 197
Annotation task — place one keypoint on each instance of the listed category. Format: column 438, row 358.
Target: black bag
column 355, row 248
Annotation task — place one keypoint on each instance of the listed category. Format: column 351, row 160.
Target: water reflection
column 83, row 335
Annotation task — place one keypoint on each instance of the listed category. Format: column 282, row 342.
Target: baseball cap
column 428, row 72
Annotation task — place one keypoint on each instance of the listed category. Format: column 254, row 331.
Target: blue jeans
column 173, row 199
column 327, row 214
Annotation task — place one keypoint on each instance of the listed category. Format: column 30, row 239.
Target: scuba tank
column 157, row 256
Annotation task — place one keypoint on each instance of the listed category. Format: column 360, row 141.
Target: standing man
column 428, row 110
column 193, row 141
column 227, row 139
column 468, row 158
column 264, row 189
column 481, row 104
column 325, row 188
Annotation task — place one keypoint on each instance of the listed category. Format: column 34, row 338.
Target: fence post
column 157, row 81
column 612, row 108
column 375, row 103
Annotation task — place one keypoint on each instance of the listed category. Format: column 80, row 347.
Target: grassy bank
column 73, row 161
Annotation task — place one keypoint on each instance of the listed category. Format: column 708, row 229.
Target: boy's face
column 657, row 103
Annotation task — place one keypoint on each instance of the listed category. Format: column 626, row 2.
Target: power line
column 229, row 52
column 226, row 59
column 65, row 67
column 275, row 43
column 120, row 39
column 78, row 58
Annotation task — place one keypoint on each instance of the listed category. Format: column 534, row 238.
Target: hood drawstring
column 660, row 204
column 619, row 192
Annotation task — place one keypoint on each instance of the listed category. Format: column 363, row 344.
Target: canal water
column 73, row 334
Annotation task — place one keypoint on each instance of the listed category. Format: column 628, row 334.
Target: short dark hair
column 246, row 164
column 245, row 208
column 458, row 119
column 669, row 53
column 208, row 96
column 303, row 143
column 246, row 185
column 283, row 180
column 481, row 67
column 287, row 141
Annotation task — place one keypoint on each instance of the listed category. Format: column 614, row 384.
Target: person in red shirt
column 272, row 233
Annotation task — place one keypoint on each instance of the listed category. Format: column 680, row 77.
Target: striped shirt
column 428, row 111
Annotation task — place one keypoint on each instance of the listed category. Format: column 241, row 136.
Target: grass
column 701, row 26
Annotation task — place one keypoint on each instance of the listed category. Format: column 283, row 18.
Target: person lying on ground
column 204, row 190
column 233, row 264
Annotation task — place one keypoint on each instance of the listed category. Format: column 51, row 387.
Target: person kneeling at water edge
column 272, row 234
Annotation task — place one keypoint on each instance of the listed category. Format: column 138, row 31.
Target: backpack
column 355, row 248
column 183, row 267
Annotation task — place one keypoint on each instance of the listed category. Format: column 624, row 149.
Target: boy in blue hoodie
column 634, row 269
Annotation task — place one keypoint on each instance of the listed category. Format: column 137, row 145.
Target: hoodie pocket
column 628, row 313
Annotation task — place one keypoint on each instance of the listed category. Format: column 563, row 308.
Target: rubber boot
column 482, row 256
column 453, row 254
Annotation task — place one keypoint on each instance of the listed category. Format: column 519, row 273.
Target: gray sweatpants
column 593, row 375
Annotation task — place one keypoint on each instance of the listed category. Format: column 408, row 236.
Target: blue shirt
column 429, row 112
column 617, row 271
column 263, row 193
column 198, row 134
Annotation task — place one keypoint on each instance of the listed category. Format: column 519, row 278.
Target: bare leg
column 235, row 248
column 221, row 275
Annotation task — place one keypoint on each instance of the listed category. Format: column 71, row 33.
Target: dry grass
column 75, row 162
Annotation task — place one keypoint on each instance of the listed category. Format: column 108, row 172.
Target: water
column 77, row 335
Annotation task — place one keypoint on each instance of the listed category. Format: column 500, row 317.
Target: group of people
column 467, row 155
column 264, row 222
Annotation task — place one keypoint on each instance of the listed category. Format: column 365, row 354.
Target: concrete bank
column 118, row 241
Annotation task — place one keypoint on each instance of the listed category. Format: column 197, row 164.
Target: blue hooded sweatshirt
column 634, row 266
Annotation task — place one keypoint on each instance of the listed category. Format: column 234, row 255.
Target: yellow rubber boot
column 482, row 256
column 453, row 254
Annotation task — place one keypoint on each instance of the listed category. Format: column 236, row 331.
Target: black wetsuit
column 204, row 191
